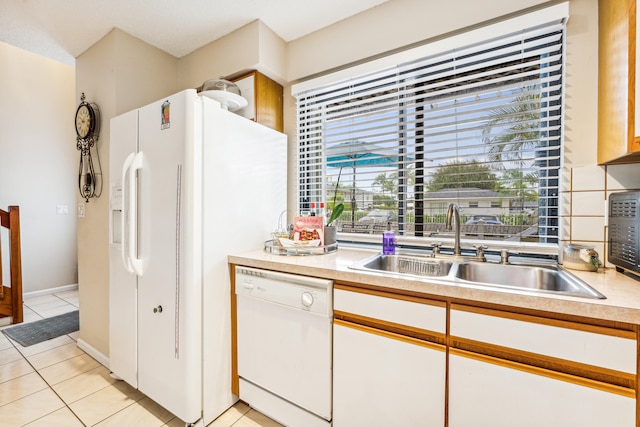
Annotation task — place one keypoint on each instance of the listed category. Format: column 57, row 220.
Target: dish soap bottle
column 388, row 241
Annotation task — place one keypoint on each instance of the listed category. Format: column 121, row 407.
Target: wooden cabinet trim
column 610, row 388
column 402, row 297
column 393, row 328
column 596, row 373
column 584, row 327
column 391, row 335
column 235, row 378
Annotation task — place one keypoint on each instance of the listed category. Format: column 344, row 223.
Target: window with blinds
column 478, row 126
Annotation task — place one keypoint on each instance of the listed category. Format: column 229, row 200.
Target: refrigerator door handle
column 135, row 262
column 125, row 214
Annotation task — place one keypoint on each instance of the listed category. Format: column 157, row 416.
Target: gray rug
column 42, row 330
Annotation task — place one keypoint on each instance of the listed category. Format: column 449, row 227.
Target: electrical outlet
column 80, row 210
column 62, row 209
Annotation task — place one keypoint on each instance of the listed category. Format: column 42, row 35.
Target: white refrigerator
column 189, row 183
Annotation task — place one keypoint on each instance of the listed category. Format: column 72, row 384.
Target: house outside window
column 479, row 126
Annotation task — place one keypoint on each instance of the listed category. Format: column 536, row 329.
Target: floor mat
column 42, row 330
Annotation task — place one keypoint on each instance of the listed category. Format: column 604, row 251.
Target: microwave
column 624, row 231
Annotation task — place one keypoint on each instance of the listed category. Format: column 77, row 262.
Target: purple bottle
column 388, row 241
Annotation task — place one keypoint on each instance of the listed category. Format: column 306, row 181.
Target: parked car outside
column 378, row 216
column 484, row 219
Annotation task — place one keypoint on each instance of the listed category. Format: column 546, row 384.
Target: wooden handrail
column 11, row 220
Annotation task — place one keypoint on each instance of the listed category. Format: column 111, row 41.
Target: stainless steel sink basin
column 405, row 264
column 545, row 278
column 525, row 277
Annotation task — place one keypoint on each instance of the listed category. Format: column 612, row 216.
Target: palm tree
column 514, row 127
column 387, row 184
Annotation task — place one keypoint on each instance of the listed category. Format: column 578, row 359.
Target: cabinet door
column 587, row 345
column 265, row 100
column 383, row 379
column 618, row 93
column 635, row 20
column 487, row 392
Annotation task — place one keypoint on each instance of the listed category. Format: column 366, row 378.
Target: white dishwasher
column 284, row 345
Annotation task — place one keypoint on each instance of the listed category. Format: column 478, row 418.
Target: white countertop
column 622, row 303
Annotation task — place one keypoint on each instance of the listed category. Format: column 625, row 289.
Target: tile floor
column 55, row 383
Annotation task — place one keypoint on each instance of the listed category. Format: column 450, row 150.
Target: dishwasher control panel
column 299, row 292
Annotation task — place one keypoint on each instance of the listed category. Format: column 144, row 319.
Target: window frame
column 559, row 11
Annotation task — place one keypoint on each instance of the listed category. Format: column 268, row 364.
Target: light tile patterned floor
column 56, row 384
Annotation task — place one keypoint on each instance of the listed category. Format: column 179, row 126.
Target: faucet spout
column 454, row 214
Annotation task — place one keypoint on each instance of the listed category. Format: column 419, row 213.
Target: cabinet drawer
column 406, row 311
column 591, row 345
column 488, row 392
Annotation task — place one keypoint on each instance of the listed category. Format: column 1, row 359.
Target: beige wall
column 38, row 165
column 251, row 47
column 119, row 73
column 394, row 25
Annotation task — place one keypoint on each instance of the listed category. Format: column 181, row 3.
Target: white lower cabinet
column 486, row 394
column 389, row 360
column 386, row 380
column 492, row 391
column 391, row 366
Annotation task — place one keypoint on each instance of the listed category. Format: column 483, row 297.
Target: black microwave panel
column 624, row 230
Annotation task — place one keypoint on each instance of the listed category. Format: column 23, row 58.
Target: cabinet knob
column 157, row 309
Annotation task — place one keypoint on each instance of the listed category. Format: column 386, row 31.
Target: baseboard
column 50, row 291
column 91, row 351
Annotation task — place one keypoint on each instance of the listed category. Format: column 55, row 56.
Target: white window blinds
column 479, row 126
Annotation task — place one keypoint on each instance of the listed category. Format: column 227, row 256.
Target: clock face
column 84, row 121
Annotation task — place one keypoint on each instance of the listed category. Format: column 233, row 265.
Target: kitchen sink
column 536, row 278
column 526, row 277
column 405, row 264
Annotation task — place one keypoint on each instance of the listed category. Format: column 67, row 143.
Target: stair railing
column 11, row 220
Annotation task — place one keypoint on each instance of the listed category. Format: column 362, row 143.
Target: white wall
column 39, row 165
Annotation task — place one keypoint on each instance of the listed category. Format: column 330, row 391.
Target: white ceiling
column 63, row 29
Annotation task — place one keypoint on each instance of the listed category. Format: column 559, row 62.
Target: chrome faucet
column 453, row 220
column 453, row 213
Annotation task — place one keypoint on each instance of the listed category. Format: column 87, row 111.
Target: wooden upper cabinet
column 265, row 98
column 618, row 135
